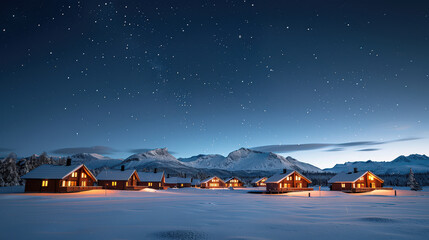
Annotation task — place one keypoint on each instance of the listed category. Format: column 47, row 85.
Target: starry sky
column 322, row 81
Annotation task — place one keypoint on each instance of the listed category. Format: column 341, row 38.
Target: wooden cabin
column 212, row 182
column 155, row 180
column 60, row 179
column 234, row 182
column 119, row 179
column 195, row 182
column 287, row 182
column 259, row 182
column 356, row 181
column 178, row 182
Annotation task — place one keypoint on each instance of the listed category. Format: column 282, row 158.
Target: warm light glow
column 126, row 184
column 361, row 178
column 371, row 177
column 44, row 183
column 297, row 178
column 63, row 183
column 83, row 175
column 149, row 184
column 114, row 184
column 83, row 184
column 74, row 174
column 214, row 184
column 343, row 185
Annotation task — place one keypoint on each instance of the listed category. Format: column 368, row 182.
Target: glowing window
column 361, row 178
column 114, row 184
column 343, row 185
column 371, row 177
column 159, row 184
column 44, row 183
column 74, row 174
column 83, row 175
column 126, row 184
column 83, row 183
column 214, row 184
column 63, row 183
column 149, row 184
column 181, row 185
column 297, row 178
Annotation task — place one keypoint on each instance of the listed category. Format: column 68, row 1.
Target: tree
column 412, row 183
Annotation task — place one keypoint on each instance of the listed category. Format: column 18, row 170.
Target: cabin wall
column 365, row 183
column 107, row 184
column 155, row 185
column 234, row 184
column 213, row 183
column 293, row 183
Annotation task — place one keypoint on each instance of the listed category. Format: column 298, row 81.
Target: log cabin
column 287, row 182
column 234, row 182
column 212, row 182
column 119, row 180
column 259, row 182
column 178, row 182
column 356, row 181
column 155, row 180
column 60, row 179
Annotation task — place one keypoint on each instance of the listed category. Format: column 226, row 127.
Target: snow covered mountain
column 153, row 159
column 400, row 165
column 247, row 159
column 94, row 160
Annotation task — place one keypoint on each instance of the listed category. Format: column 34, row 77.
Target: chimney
column 155, row 170
column 355, row 170
column 168, row 175
column 284, row 170
column 68, row 163
column 122, row 168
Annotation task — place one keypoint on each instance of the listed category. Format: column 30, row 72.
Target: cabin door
column 299, row 185
column 372, row 185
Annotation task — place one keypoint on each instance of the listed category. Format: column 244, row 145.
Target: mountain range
column 242, row 162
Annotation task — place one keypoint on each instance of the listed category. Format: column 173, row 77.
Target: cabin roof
column 256, row 180
column 195, row 182
column 48, row 171
column 150, row 176
column 179, row 180
column 210, row 178
column 279, row 177
column 350, row 177
column 229, row 179
column 116, row 175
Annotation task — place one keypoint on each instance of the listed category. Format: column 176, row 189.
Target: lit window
column 114, row 184
column 74, row 174
column 126, row 184
column 159, row 184
column 44, row 183
column 149, row 184
column 371, row 177
column 83, row 175
column 181, row 185
column 361, row 178
column 83, row 184
column 214, row 184
column 343, row 185
column 63, row 183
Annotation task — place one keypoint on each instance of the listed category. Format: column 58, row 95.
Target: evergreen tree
column 412, row 183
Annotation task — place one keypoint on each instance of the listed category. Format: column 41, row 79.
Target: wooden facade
column 288, row 182
column 80, row 179
column 213, row 182
column 120, row 183
column 359, row 182
column 259, row 182
column 234, row 182
column 152, row 180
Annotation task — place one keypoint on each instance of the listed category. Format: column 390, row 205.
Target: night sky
column 323, row 81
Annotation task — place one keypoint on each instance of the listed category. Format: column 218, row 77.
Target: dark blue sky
column 214, row 76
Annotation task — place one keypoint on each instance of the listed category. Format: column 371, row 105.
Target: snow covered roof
column 150, row 176
column 256, row 180
column 115, row 175
column 195, row 182
column 279, row 177
column 210, row 178
column 350, row 177
column 174, row 180
column 229, row 179
column 48, row 171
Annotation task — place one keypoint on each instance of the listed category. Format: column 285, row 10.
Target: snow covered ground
column 214, row 214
